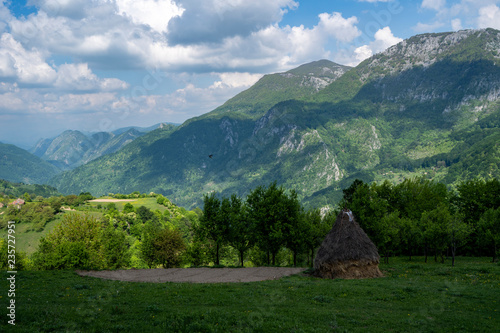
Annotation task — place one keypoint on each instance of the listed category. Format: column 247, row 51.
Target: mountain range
column 428, row 106
column 74, row 148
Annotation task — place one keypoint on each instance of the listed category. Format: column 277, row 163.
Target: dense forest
column 268, row 227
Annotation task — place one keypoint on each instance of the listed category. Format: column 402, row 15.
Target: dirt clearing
column 196, row 275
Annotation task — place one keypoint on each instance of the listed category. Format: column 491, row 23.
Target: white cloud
column 456, row 24
column 211, row 21
column 154, row 13
column 489, row 17
column 384, row 39
column 341, row 29
column 23, row 65
column 236, row 80
column 434, row 4
column 80, row 77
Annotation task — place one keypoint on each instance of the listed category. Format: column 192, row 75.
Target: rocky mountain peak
column 426, row 49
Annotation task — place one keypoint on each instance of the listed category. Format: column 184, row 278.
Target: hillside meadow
column 412, row 297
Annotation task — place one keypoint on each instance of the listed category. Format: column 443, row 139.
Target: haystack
column 347, row 252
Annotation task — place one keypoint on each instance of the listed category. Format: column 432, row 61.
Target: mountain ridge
column 73, row 148
column 373, row 122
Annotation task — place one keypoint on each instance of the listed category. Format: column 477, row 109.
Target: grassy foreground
column 413, row 297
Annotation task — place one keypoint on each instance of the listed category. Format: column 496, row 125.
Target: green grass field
column 147, row 202
column 413, row 297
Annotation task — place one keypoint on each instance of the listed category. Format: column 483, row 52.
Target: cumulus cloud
column 341, row 29
column 23, row 65
column 51, row 62
column 154, row 13
column 80, row 77
column 384, row 38
column 489, row 17
column 211, row 21
column 456, row 24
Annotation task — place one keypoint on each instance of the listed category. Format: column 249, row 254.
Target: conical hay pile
column 347, row 252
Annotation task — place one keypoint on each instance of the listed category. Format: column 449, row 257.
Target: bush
column 81, row 242
column 168, row 247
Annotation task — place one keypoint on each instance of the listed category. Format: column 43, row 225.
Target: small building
column 18, row 203
column 1, row 204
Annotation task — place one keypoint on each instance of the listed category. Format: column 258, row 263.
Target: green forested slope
column 18, row 165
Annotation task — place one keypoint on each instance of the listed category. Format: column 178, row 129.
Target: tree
column 349, row 192
column 214, row 223
column 388, row 230
column 168, row 247
column 240, row 228
column 437, row 226
column 458, row 232
column 75, row 243
column 147, row 247
column 489, row 230
column 115, row 248
column 128, row 208
column 317, row 228
column 414, row 196
column 410, row 234
column 295, row 226
column 269, row 210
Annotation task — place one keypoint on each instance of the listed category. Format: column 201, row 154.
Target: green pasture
column 413, row 297
column 146, row 202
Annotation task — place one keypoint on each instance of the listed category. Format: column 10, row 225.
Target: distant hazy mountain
column 18, row 165
column 73, row 148
column 428, row 106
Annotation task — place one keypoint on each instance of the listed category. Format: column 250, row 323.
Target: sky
column 100, row 65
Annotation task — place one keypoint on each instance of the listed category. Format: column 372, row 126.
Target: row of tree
column 269, row 218
column 418, row 216
column 415, row 217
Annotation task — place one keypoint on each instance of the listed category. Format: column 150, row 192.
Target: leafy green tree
column 410, row 234
column 317, row 228
column 214, row 223
column 168, row 247
column 111, row 207
column 270, row 209
column 147, row 246
column 476, row 196
column 240, row 228
column 369, row 208
column 437, row 226
column 115, row 248
column 414, row 196
column 388, row 232
column 458, row 231
column 145, row 214
column 489, row 230
column 349, row 192
column 128, row 208
column 76, row 242
column 295, row 226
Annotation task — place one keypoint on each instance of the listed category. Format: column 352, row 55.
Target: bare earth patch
column 195, row 275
